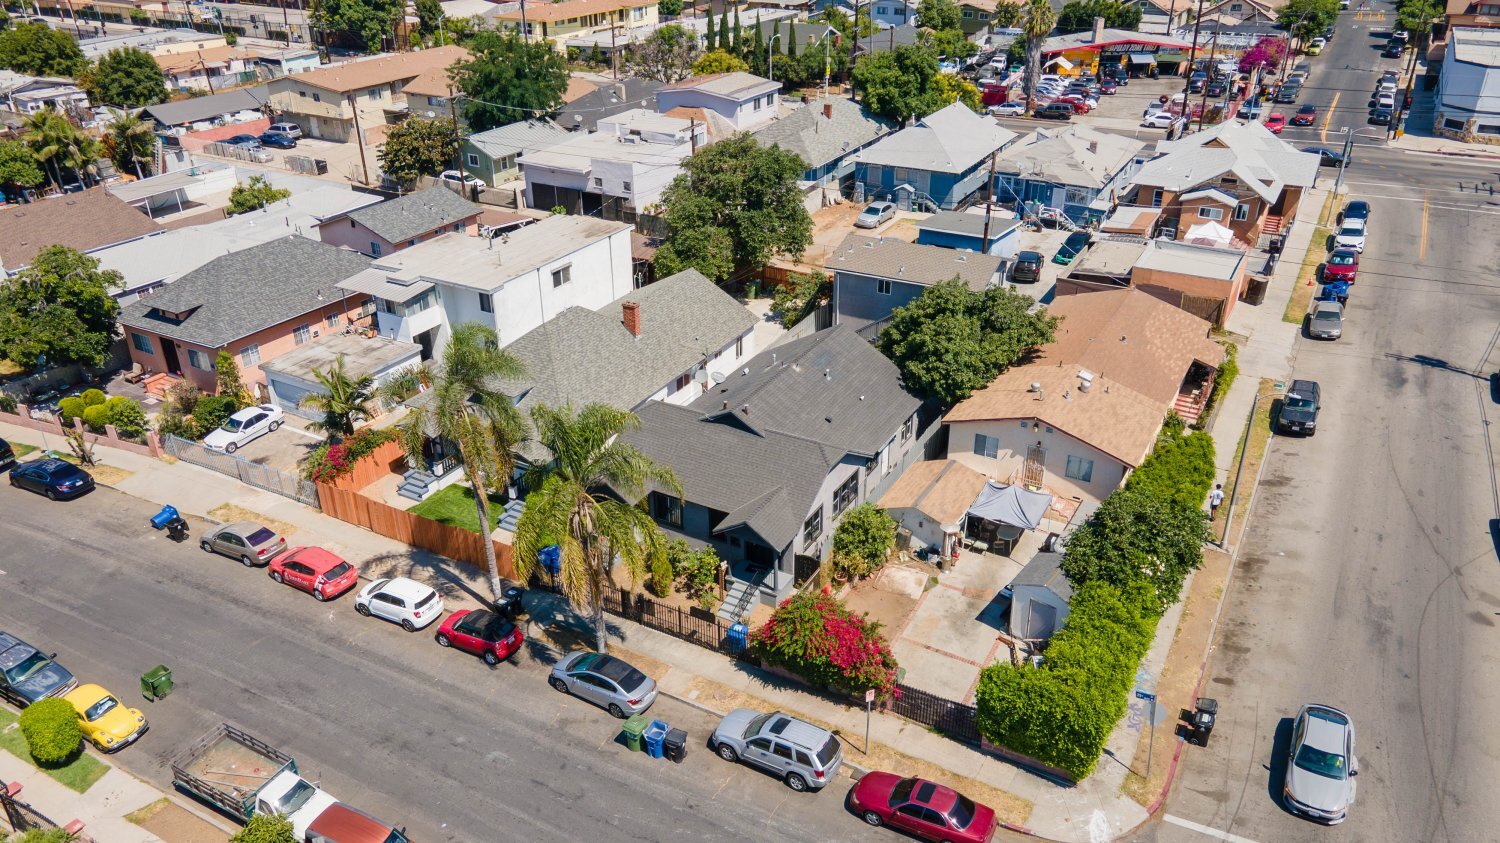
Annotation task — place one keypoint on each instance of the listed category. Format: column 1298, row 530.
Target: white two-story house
column 745, row 100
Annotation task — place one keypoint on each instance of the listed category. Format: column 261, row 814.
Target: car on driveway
column 241, row 428
column 1299, row 408
column 106, row 722
column 1359, row 209
column 1027, row 269
column 1275, row 122
column 247, row 141
column 1328, row 157
column 58, row 479
column 1351, row 235
column 277, row 140
column 246, row 541
column 316, row 571
column 1159, row 120
column 489, row 635
column 1325, row 319
column 1306, row 115
column 925, row 809
column 875, row 214
column 605, row 681
column 291, row 130
column 453, row 178
column 400, row 600
column 27, row 674
column 1071, row 248
column 805, row 756
column 1321, row 765
column 1342, row 265
column 1054, row 111
column 1008, row 109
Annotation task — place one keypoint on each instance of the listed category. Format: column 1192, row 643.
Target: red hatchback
column 1342, row 265
column 926, row 809
column 1275, row 122
column 315, row 570
column 481, row 632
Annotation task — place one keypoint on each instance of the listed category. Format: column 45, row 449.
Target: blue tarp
column 1011, row 505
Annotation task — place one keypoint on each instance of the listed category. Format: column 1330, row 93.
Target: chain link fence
column 243, row 470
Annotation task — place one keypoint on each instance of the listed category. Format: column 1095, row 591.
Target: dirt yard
column 889, row 597
column 175, row 824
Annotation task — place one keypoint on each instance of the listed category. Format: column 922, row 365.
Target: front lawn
column 21, row 449
column 78, row 774
column 454, row 506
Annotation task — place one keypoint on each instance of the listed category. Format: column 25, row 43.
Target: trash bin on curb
column 675, row 746
column 655, row 736
column 633, row 728
column 1201, row 724
column 156, row 682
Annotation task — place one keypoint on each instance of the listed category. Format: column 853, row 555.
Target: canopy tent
column 1011, row 505
column 1210, row 233
column 1058, row 62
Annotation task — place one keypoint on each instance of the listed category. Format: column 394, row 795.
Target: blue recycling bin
column 167, row 515
column 655, row 737
column 551, row 559
column 738, row 634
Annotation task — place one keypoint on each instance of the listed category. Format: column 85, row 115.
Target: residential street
column 388, row 721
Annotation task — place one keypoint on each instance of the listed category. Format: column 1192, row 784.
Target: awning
column 1060, row 62
column 1142, row 58
column 1012, row 505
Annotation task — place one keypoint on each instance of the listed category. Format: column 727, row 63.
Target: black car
column 278, row 140
column 1356, row 210
column 1299, row 408
column 28, row 675
column 1028, row 268
column 1393, row 50
column 55, row 478
column 1287, row 93
column 1054, row 111
column 7, row 455
column 1217, row 88
column 1327, row 157
column 1381, row 116
column 1197, row 81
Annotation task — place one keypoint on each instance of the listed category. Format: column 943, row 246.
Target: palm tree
column 344, row 402
column 50, row 135
column 570, row 504
column 134, row 142
column 468, row 410
column 1037, row 21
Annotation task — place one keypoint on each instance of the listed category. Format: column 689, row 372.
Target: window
column 374, row 94
column 1080, row 469
column 411, row 242
column 1487, row 129
column 302, row 333
column 1210, row 213
column 458, row 228
column 250, row 355
column 909, row 427
column 739, row 347
column 987, row 446
column 1156, row 198
column 627, row 185
column 781, row 750
column 598, row 182
column 883, row 286
column 812, row 528
column 562, row 275
column 1242, row 211
column 1455, row 125
column 486, row 303
column 666, row 509
column 375, row 248
column 317, row 97
column 1078, row 196
column 508, row 162
column 968, row 14
column 845, row 495
column 472, row 159
column 302, row 94
column 984, row 15
column 141, row 342
column 332, row 320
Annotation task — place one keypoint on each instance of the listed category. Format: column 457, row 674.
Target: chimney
column 632, row 317
column 620, row 89
column 1098, row 31
column 828, row 110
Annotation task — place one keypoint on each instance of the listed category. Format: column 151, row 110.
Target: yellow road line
column 1328, row 118
column 1422, row 248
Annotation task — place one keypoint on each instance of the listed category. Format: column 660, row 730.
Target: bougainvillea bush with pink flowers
column 816, row 637
column 331, row 461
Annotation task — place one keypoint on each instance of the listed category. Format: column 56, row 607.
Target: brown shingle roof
column 355, row 75
column 83, row 221
column 178, row 62
column 569, row 9
column 940, row 489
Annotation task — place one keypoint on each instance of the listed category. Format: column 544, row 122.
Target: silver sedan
column 605, row 681
column 246, row 541
column 1321, row 766
column 1325, row 321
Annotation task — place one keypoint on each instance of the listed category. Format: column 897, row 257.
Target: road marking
column 1323, row 136
column 1422, row 247
column 1203, row 829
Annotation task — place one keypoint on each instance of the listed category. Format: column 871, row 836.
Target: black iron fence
column 705, row 630
column 18, row 816
column 953, row 719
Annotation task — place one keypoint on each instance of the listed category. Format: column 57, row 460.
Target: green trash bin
column 635, row 727
column 156, row 682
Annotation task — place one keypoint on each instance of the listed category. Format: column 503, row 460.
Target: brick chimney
column 828, row 110
column 632, row 317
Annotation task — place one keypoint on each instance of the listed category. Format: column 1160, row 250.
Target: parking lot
column 283, row 449
column 343, row 158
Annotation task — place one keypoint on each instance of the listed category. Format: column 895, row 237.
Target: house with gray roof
column 491, row 156
column 618, row 97
column 873, row 276
column 993, row 232
column 939, row 163
column 826, row 134
column 770, row 459
column 400, row 223
column 256, row 304
column 1075, row 170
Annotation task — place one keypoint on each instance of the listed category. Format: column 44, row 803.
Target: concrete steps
column 738, row 597
column 512, row 514
column 416, row 484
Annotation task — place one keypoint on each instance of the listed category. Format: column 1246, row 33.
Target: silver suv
column 807, row 757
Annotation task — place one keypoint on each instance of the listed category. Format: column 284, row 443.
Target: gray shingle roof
column 831, row 387
column 1045, row 570
column 241, row 293
column 888, row 257
column 205, row 108
column 971, row 225
column 607, row 101
column 818, row 139
column 417, row 213
column 950, row 140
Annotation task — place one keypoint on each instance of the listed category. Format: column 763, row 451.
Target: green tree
column 953, row 88
column 127, row 415
column 135, row 144
column 255, row 195
column 18, row 169
column 1138, row 536
column 951, row 44
column 417, row 147
column 367, row 22
column 939, row 15
column 58, row 309
column 736, row 40
column 668, row 9
column 429, row 17
column 228, row 381
column 1417, row 17
column 1306, row 19
column 1006, row 15
column 129, row 78
column 212, row 411
column 865, row 533
column 584, row 501
column 468, row 410
column 506, row 80
column 724, row 31
column 266, row 828
column 899, row 84
column 1078, row 15
column 51, row 730
column 59, row 146
column 1180, row 467
column 951, row 340
column 1036, row 20
column 739, row 194
column 718, row 61
column 344, row 402
column 666, row 55
column 37, row 49
column 709, row 39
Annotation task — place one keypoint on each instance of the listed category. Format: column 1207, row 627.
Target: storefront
column 1113, row 50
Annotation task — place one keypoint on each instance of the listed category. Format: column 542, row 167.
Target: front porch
column 1193, row 395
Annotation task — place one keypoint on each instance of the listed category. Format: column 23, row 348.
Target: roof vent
column 1037, row 389
column 827, row 374
column 745, row 408
column 1085, row 380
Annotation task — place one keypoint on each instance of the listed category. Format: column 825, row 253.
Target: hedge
column 334, row 460
column 864, row 537
column 1228, row 370
column 51, row 730
column 1180, row 468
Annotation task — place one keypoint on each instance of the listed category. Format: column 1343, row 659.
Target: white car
column 453, row 178
column 400, row 600
column 1351, row 235
column 875, row 214
column 248, row 424
column 1385, row 99
column 1159, row 120
column 1008, row 109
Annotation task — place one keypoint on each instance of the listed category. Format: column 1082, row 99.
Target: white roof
column 406, row 588
column 1074, row 155
column 1259, row 159
column 1191, row 259
column 950, row 140
column 580, row 153
column 1474, row 45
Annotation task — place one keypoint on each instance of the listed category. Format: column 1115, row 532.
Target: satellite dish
column 718, row 377
column 701, row 376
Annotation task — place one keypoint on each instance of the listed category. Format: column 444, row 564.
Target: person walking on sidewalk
column 1215, row 498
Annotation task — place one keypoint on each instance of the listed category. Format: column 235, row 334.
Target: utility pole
column 458, row 140
column 614, row 55
column 855, row 49
column 286, row 21
column 1348, row 148
column 1187, row 84
column 1213, row 47
column 525, row 31
column 989, row 204
column 359, row 136
column 1395, row 130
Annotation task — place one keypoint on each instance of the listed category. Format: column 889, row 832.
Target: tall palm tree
column 468, row 410
column 570, row 504
column 134, row 142
column 344, row 402
column 1037, row 22
column 50, row 136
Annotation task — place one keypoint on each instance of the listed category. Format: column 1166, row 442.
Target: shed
column 930, row 499
column 1039, row 598
column 291, row 376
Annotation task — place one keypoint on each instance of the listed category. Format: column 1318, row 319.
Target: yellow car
column 106, row 722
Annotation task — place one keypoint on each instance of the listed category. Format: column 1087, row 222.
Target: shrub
column 127, row 416
column 696, row 572
column 265, row 828
column 330, row 461
column 171, row 422
column 93, row 397
column 43, row 835
column 1180, row 468
column 96, row 417
column 51, row 731
column 71, row 408
column 1062, row 712
column 816, row 637
column 7, row 403
column 1228, row 370
column 1136, row 536
column 184, row 396
column 863, row 539
column 212, row 411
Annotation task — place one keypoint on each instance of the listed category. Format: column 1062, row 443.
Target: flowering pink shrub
column 1266, row 54
column 332, row 461
column 816, row 637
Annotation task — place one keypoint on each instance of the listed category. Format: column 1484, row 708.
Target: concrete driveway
column 285, row 448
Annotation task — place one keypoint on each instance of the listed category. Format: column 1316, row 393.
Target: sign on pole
column 869, row 701
column 1150, row 697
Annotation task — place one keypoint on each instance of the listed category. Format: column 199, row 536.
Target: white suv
column 1351, row 235
column 291, row 130
column 400, row 600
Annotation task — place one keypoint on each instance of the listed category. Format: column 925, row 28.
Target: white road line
column 1203, row 829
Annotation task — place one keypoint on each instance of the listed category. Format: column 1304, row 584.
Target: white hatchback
column 1351, row 235
column 400, row 600
column 250, row 423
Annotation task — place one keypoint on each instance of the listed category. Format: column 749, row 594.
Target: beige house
column 358, row 100
column 556, row 22
column 1086, row 412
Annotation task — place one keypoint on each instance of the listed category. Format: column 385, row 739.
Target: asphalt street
column 389, row 722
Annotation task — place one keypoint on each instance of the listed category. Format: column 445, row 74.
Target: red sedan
column 481, row 632
column 1305, row 116
column 1342, row 265
column 926, row 809
column 1275, row 122
column 314, row 570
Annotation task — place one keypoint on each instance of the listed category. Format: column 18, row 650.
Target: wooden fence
column 389, row 458
column 452, row 542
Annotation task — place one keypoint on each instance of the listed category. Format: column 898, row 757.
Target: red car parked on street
column 1275, row 122
column 481, row 632
column 1342, row 265
column 926, row 809
column 314, row 570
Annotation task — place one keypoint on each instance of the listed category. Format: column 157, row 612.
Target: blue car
column 278, row 141
column 52, row 477
column 250, row 141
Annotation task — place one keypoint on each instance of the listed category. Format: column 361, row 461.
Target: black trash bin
column 675, row 745
column 1202, row 723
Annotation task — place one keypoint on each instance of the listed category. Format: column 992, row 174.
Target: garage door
column 287, row 395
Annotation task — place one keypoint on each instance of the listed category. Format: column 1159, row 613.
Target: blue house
column 873, row 276
column 1073, row 171
column 826, row 134
column 966, row 230
column 938, row 164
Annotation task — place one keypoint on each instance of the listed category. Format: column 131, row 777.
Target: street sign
column 1145, row 695
column 870, row 695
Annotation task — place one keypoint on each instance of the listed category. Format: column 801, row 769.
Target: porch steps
column 1063, row 221
column 1188, row 407
column 158, row 384
column 737, row 599
column 512, row 514
column 1273, row 224
column 415, row 484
